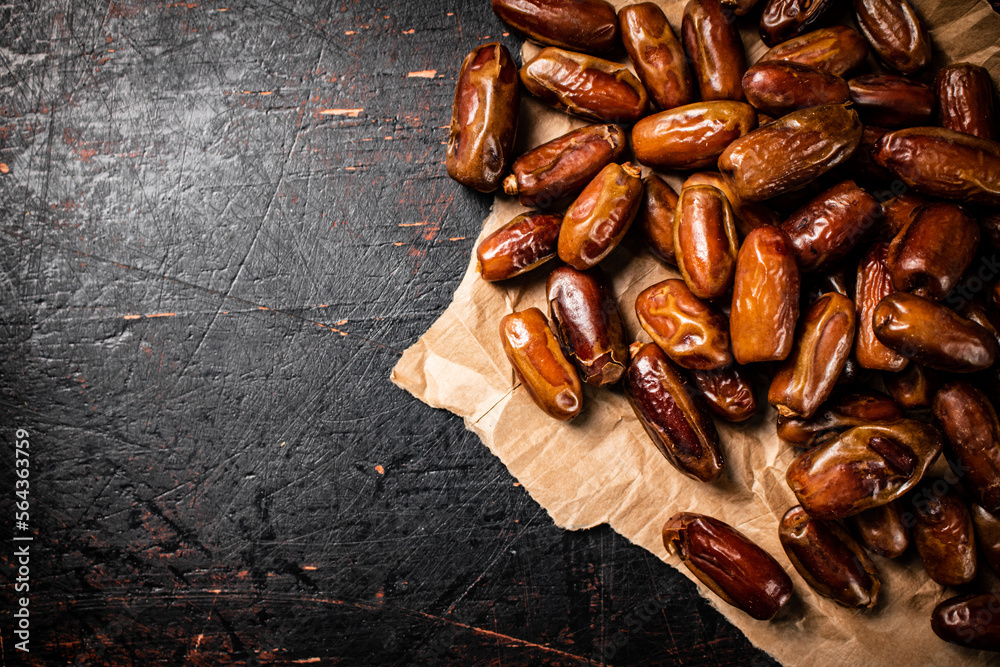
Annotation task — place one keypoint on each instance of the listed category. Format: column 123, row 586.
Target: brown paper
column 602, row 467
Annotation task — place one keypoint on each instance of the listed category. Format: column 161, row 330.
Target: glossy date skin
column 987, row 529
column 864, row 467
column 943, row 163
column 889, row 100
column 872, row 285
column 546, row 175
column 765, row 303
column 932, row 334
column 484, row 118
column 827, row 228
column 725, row 560
column 598, row 219
column 749, row 215
column 971, row 429
column 971, row 621
column 540, row 364
column 882, row 530
column 672, row 415
column 807, row 378
column 838, row 414
column 895, row 33
column 965, row 100
column 527, row 241
column 587, row 323
column 705, row 240
column 589, row 26
column 692, row 136
column 930, row 255
column 913, row 388
column 713, row 44
column 585, row 86
column 727, row 391
column 688, row 329
column 829, row 559
column 655, row 220
column 810, row 141
column 777, row 88
column 783, row 19
column 899, row 211
column 943, row 533
column 657, row 54
column 836, row 50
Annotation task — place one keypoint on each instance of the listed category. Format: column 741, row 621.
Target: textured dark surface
column 221, row 224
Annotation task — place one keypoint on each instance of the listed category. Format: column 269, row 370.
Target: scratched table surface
column 222, row 222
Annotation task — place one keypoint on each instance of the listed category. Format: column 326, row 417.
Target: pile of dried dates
column 837, row 232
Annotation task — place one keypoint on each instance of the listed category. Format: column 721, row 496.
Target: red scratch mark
column 422, row 74
column 350, row 32
column 4, row 169
column 350, row 113
column 341, row 322
column 399, row 243
column 304, row 661
column 162, row 315
column 517, row 484
column 309, row 568
column 457, row 238
column 380, row 594
column 380, row 470
column 409, row 32
column 414, row 224
column 133, row 316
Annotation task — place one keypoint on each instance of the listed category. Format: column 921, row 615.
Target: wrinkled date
column 970, row 426
column 874, row 284
column 965, row 100
column 943, row 533
column 828, row 227
column 829, row 559
column 546, row 175
column 882, row 530
column 580, row 25
column 689, row 330
column 838, row 414
column 657, row 55
column 943, row 163
column 586, row 320
column 912, row 388
column 932, row 334
column 810, row 142
column 540, row 364
column 777, row 88
column 895, row 33
column 725, row 560
column 808, row 376
column 585, row 86
column 655, row 219
column 864, row 467
column 705, row 240
column 672, row 415
column 783, row 19
column 692, row 136
column 713, row 44
column 598, row 219
column 727, row 392
column 765, row 303
column 836, row 50
column 899, row 211
column 525, row 242
column 929, row 257
column 972, row 621
column 889, row 100
column 749, row 215
column 484, row 118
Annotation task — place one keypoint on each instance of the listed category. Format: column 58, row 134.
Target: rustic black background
column 221, row 223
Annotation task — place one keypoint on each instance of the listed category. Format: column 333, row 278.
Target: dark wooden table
column 222, row 222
